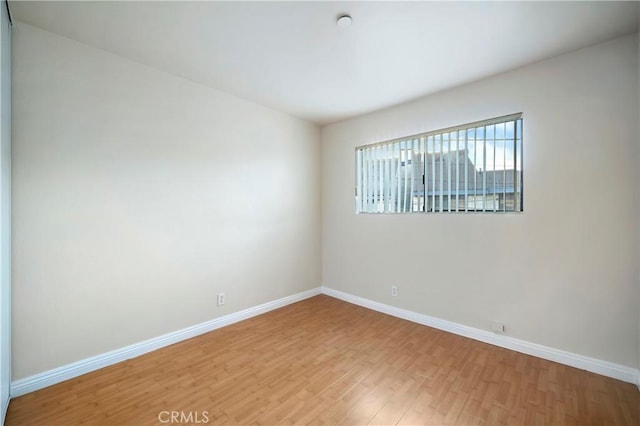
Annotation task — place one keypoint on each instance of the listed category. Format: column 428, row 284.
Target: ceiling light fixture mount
column 344, row 21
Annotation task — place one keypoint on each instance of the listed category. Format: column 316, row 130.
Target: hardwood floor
column 324, row 361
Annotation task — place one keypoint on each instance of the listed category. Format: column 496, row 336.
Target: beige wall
column 138, row 196
column 565, row 272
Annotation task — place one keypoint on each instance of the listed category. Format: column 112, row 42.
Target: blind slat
column 359, row 206
column 413, row 184
column 457, row 151
column 466, row 168
column 441, row 165
column 365, row 178
column 484, row 170
column 433, row 177
column 423, row 158
column 504, row 172
column 380, row 201
column 406, row 176
column 493, row 196
column 392, row 187
column 385, row 165
column 398, row 194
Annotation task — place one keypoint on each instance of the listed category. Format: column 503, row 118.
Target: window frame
column 422, row 140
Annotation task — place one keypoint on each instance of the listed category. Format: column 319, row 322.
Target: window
column 475, row 167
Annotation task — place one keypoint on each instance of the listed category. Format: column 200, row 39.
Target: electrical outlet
column 394, row 290
column 221, row 299
column 497, row 327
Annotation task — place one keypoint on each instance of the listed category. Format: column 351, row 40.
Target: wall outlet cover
column 497, row 327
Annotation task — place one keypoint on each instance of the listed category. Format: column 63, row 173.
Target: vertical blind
column 475, row 167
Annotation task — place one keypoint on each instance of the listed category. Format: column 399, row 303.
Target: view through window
column 475, row 167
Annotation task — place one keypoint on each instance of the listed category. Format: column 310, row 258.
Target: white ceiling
column 292, row 56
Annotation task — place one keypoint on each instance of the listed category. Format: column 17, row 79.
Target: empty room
column 323, row 212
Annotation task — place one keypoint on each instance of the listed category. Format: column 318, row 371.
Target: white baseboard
column 605, row 368
column 75, row 369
